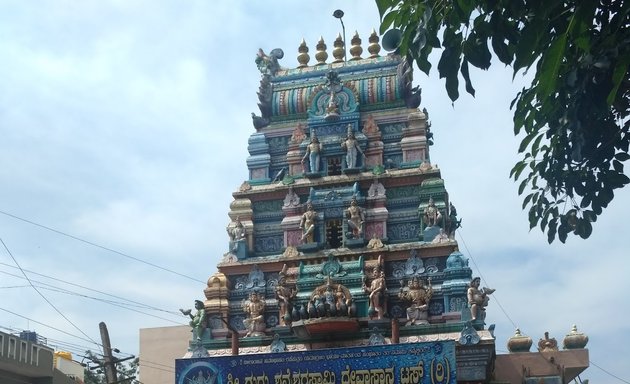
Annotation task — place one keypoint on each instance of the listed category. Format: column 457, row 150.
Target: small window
column 334, row 166
column 334, row 233
column 23, row 350
column 34, row 354
column 12, row 348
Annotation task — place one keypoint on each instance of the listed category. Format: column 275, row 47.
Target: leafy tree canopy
column 573, row 115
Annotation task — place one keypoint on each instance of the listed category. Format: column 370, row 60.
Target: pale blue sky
column 125, row 123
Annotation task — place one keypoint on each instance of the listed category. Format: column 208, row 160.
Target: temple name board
column 412, row 363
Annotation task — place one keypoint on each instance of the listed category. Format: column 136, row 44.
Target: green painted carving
column 402, row 192
column 267, row 206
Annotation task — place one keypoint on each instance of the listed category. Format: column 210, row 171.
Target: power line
column 510, row 319
column 484, row 279
column 123, row 305
column 93, row 290
column 51, row 327
column 44, row 297
column 609, row 373
column 112, row 303
column 100, row 246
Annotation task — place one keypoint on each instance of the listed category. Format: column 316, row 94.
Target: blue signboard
column 410, row 363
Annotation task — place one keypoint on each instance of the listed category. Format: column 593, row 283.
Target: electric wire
column 93, row 290
column 484, row 279
column 82, row 349
column 44, row 297
column 126, row 306
column 505, row 312
column 609, row 373
column 143, row 364
column 100, row 246
column 49, row 326
column 115, row 304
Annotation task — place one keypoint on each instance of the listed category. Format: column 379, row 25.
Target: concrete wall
column 515, row 367
column 24, row 359
column 159, row 347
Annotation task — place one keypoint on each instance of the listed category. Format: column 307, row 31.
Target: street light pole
column 339, row 15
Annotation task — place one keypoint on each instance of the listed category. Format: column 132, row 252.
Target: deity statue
column 330, row 301
column 332, row 109
column 285, row 296
column 378, row 295
column 478, row 299
column 452, row 223
column 197, row 320
column 237, row 235
column 375, row 242
column 307, row 224
column 351, row 145
column 254, row 308
column 419, row 296
column 312, row 152
column 356, row 218
column 432, row 214
column 341, row 302
column 298, row 134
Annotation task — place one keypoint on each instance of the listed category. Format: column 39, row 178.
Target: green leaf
column 452, row 87
column 466, row 75
column 383, row 6
column 524, row 55
column 476, row 51
column 590, row 216
column 525, row 142
column 605, row 196
column 583, row 228
column 517, row 169
column 551, row 233
column 563, row 231
column 501, row 49
column 618, row 180
column 466, row 6
column 388, row 20
column 527, row 199
column 521, row 187
column 533, row 217
column 551, row 61
column 423, row 64
column 536, row 144
column 622, row 156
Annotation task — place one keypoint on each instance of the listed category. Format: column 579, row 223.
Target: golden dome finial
column 303, row 56
column 374, row 48
column 321, row 55
column 355, row 49
column 338, row 50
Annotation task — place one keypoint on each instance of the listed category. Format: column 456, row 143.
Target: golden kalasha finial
column 355, row 49
column 374, row 48
column 303, row 56
column 338, row 50
column 321, row 55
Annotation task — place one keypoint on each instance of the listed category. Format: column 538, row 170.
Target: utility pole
column 109, row 363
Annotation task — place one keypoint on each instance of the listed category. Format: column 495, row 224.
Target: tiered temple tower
column 343, row 234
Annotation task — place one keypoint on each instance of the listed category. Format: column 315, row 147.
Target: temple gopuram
column 340, row 263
